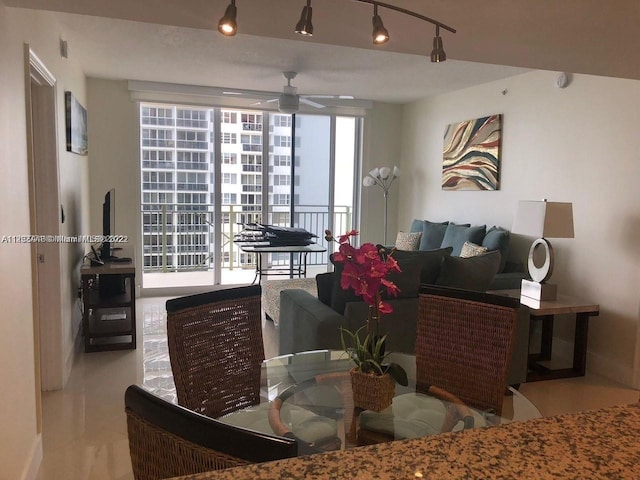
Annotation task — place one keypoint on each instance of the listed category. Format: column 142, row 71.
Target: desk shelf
column 109, row 316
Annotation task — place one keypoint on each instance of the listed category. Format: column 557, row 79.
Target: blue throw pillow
column 432, row 233
column 498, row 239
column 456, row 235
column 416, row 226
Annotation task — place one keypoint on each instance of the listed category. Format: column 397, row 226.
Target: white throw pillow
column 472, row 250
column 408, row 240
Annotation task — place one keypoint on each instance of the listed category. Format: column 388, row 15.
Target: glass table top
column 319, row 381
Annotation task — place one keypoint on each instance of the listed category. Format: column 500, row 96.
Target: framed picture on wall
column 76, row 125
column 471, row 154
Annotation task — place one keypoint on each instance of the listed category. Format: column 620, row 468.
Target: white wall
column 382, row 137
column 20, row 446
column 115, row 161
column 579, row 144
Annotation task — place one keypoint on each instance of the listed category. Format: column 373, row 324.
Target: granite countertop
column 599, row 444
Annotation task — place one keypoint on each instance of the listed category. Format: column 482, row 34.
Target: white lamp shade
column 367, row 181
column 544, row 219
column 385, row 172
column 396, row 171
column 375, row 173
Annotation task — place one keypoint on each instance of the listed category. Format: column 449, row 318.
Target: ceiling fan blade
column 335, row 97
column 262, row 102
column 311, row 103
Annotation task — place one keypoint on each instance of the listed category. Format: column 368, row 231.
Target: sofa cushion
column 407, row 281
column 324, row 284
column 456, row 235
column 340, row 297
column 408, row 240
column 498, row 239
column 473, row 273
column 432, row 233
column 430, row 261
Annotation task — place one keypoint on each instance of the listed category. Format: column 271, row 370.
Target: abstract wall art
column 76, row 125
column 471, row 154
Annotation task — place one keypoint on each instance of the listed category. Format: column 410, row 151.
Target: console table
column 109, row 306
column 302, row 251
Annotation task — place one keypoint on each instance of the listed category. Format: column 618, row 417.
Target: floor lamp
column 383, row 177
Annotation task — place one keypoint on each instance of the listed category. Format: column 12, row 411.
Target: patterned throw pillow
column 408, row 240
column 472, row 250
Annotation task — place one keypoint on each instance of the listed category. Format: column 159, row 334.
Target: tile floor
column 84, row 426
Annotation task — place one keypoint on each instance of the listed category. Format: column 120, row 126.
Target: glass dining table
column 319, row 381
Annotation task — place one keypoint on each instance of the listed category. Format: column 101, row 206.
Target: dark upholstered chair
column 216, row 353
column 464, row 342
column 167, row 440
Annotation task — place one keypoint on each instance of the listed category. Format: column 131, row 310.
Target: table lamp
column 542, row 219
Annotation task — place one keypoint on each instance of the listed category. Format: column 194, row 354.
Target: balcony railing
column 175, row 240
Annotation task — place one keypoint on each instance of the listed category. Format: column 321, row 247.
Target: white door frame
column 44, row 203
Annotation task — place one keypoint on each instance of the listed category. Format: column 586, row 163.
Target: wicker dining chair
column 216, row 354
column 464, row 341
column 167, row 440
column 216, row 349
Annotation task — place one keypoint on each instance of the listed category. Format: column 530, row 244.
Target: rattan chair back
column 463, row 344
column 167, row 440
column 216, row 349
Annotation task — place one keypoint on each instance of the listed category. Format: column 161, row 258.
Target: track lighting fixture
column 380, row 34
column 227, row 24
column 304, row 25
column 437, row 54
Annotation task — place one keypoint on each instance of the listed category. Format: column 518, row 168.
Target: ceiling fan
column 289, row 101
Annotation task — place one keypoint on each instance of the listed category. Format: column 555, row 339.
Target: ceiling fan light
column 304, row 25
column 437, row 54
column 380, row 34
column 227, row 24
column 288, row 103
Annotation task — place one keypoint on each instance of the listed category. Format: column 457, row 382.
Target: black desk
column 109, row 306
column 302, row 251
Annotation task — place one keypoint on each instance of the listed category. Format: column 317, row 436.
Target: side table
column 545, row 311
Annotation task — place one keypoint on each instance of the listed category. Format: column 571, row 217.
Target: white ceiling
column 177, row 42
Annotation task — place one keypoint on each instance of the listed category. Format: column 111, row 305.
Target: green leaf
column 398, row 374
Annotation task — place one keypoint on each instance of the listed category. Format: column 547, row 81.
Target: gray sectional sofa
column 310, row 323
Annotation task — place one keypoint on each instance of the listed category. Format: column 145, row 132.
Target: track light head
column 380, row 34
column 227, row 24
column 304, row 25
column 437, row 54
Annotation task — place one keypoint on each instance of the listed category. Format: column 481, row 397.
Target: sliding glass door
column 207, row 173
